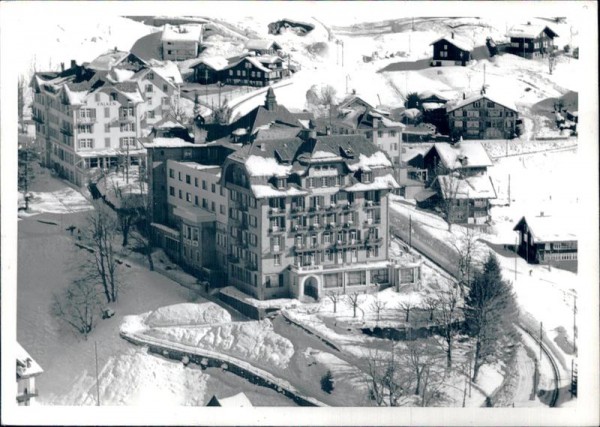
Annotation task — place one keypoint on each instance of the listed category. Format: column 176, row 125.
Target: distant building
column 451, row 50
column 483, row 116
column 239, row 400
column 27, row 370
column 531, row 41
column 181, row 42
column 546, row 239
column 256, row 71
column 262, row 47
column 469, row 158
column 433, row 106
column 210, row 70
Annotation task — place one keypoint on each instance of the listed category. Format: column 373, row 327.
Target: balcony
column 371, row 222
column 276, row 229
column 333, row 226
column 126, row 119
column 350, row 206
column 299, row 229
column 373, row 241
column 38, row 118
column 372, row 204
column 233, row 259
column 297, row 209
column 276, row 211
column 66, row 131
column 350, row 243
column 86, row 120
column 251, row 266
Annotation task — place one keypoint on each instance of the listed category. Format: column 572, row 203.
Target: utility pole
column 516, row 256
column 410, row 231
column 97, row 383
column 541, row 337
column 574, row 324
column 508, row 189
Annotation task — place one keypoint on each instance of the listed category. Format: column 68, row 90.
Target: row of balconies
column 327, row 226
column 233, row 259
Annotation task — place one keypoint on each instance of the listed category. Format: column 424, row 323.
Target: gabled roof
column 217, row 63
column 168, row 70
column 261, row 44
column 26, row 366
column 548, row 228
column 112, row 58
column 474, row 187
column 239, row 400
column 529, row 31
column 464, row 154
column 494, row 97
column 354, row 99
column 460, row 42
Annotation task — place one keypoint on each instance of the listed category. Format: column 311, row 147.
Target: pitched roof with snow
column 529, row 31
column 493, row 97
column 168, row 143
column 548, row 228
column 217, row 63
column 239, row 400
column 26, row 365
column 474, row 187
column 191, row 33
column 460, row 42
column 465, row 154
column 168, row 70
column 261, row 44
column 108, row 60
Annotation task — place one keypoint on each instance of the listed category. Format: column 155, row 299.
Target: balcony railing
column 38, row 118
column 373, row 241
column 233, row 259
column 86, row 119
column 66, row 131
column 371, row 222
column 372, row 204
column 276, row 211
column 126, row 119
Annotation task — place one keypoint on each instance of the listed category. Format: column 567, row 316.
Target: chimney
column 73, row 63
column 116, row 48
column 464, row 96
column 62, row 66
column 452, row 35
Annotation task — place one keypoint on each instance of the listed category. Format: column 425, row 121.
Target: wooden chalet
column 467, row 157
column 262, row 47
column 451, row 50
column 531, row 41
column 545, row 239
column 483, row 116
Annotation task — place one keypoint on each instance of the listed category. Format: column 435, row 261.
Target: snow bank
column 188, row 314
column 62, row 201
column 252, row 341
column 135, row 378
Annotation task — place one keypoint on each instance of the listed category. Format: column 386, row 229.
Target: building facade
column 483, row 117
column 27, row 371
column 89, row 117
column 543, row 239
column 453, row 50
column 181, row 42
column 531, row 41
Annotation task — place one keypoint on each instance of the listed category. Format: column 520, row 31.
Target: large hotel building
column 277, row 218
column 89, row 117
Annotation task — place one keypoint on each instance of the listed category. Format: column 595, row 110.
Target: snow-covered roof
column 261, row 44
column 217, row 63
column 168, row 143
column 493, row 97
column 261, row 191
column 198, row 166
column 325, row 155
column 110, row 152
column 529, row 31
column 168, row 70
column 458, row 41
column 239, row 400
column 465, row 154
column 75, row 98
column 385, row 182
column 474, row 187
column 411, row 112
column 165, row 229
column 26, row 365
column 191, row 33
column 257, row 63
column 261, row 166
column 366, row 163
column 432, row 105
column 432, row 93
column 549, row 228
column 169, row 124
column 388, row 123
column 107, row 60
column 120, row 75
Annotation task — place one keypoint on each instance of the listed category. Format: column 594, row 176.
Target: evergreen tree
column 327, row 382
column 412, row 100
column 490, row 313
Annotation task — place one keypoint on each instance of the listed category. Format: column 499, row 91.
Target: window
column 106, row 112
column 180, row 193
column 127, row 127
column 151, row 114
column 106, row 127
column 171, row 173
column 172, row 191
column 277, row 259
column 165, row 88
column 196, row 200
column 125, row 112
column 231, row 72
column 179, row 176
column 380, row 133
column 86, row 143
column 212, row 206
column 188, row 179
column 443, row 54
column 188, row 197
column 213, row 188
column 148, row 88
column 203, row 184
column 85, row 128
column 445, row 47
column 222, row 209
column 127, row 141
column 87, row 113
column 392, row 133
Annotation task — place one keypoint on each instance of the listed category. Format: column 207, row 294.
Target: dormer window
column 367, row 177
column 113, row 96
column 281, row 183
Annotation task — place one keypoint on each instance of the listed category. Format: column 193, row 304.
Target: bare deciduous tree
column 405, row 307
column 352, row 301
column 334, row 298
column 101, row 230
column 377, row 307
column 448, row 187
column 468, row 250
column 430, row 304
column 448, row 319
column 386, row 382
column 77, row 305
column 420, row 356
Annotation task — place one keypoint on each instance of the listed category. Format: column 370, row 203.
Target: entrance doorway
column 311, row 287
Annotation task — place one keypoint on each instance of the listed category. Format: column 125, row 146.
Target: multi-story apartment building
column 181, row 42
column 308, row 216
column 89, row 117
column 483, row 117
column 27, row 370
